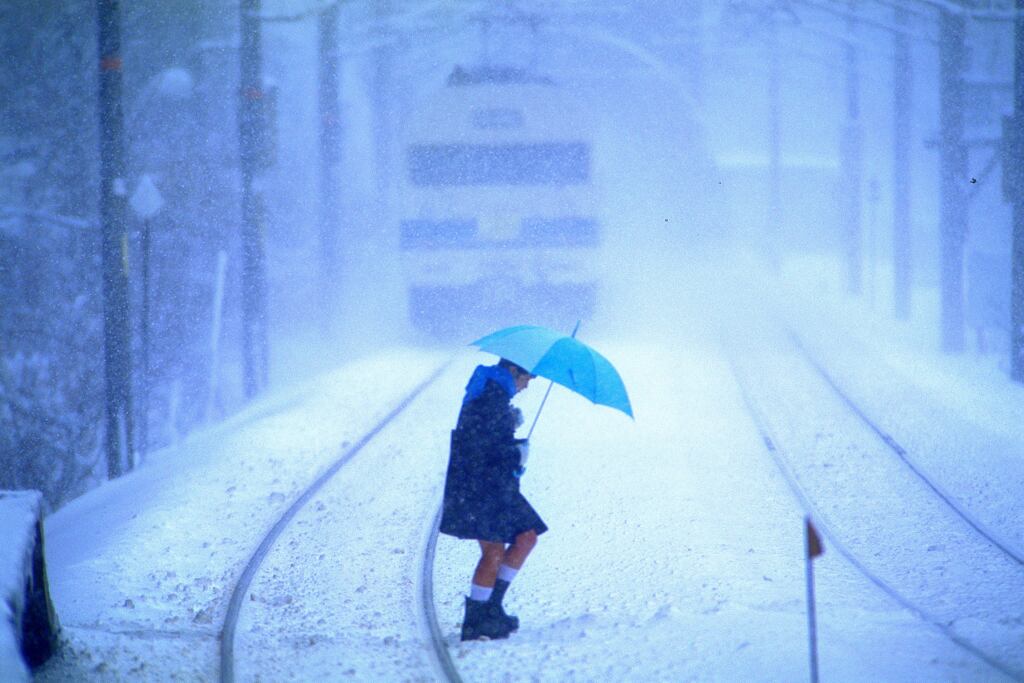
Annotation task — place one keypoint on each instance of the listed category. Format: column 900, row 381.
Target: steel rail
column 227, row 633
column 904, row 456
column 774, row 449
column 437, row 642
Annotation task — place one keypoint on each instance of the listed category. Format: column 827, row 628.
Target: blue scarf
column 478, row 381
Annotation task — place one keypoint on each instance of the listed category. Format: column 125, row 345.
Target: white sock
column 479, row 593
column 507, row 573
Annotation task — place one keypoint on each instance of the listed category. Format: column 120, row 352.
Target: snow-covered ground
column 675, row 549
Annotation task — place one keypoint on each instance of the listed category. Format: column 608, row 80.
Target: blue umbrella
column 562, row 359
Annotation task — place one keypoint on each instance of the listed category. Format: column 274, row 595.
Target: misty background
column 866, row 135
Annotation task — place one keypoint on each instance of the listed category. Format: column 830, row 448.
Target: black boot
column 483, row 621
column 497, row 595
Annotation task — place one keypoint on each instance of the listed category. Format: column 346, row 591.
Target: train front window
column 547, row 163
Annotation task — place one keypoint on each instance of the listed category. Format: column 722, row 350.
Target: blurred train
column 498, row 204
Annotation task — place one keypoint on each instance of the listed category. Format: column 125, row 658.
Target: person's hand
column 524, row 452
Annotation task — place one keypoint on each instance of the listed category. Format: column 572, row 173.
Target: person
column 481, row 494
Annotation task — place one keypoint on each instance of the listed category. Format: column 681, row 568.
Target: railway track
column 438, row 646
column 784, row 462
column 442, row 657
column 948, row 499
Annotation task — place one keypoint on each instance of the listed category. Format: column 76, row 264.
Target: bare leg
column 491, row 555
column 516, row 553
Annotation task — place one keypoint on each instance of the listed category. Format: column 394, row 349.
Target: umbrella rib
column 593, row 367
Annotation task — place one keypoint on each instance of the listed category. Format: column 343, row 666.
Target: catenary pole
column 903, row 86
column 144, row 412
column 1013, row 174
column 382, row 95
column 113, row 205
column 774, row 144
column 330, row 142
column 850, row 156
column 953, row 172
column 251, row 146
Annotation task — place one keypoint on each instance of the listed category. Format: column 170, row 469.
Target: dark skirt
column 499, row 518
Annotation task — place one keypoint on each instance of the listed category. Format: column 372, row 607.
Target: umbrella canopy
column 562, row 359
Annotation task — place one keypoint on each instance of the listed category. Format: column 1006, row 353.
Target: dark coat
column 481, row 491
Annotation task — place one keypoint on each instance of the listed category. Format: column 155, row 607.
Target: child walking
column 481, row 495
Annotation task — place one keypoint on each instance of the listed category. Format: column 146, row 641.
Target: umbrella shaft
column 548, row 392
column 537, row 417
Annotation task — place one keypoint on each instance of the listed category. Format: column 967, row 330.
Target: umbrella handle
column 548, row 392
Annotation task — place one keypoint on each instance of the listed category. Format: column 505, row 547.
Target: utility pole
column 903, row 86
column 953, row 172
column 382, row 110
column 774, row 144
column 850, row 156
column 330, row 156
column 252, row 144
column 693, row 51
column 113, row 204
column 1013, row 189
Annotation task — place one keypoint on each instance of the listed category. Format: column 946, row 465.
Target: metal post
column 146, row 202
column 1013, row 166
column 113, row 200
column 814, row 548
column 874, row 194
column 213, row 392
column 144, row 411
column 774, row 236
column 251, row 144
column 850, row 153
column 901, row 188
column 694, row 47
column 953, row 173
column 382, row 112
column 330, row 139
column 812, row 626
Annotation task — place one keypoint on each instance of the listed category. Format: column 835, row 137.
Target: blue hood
column 478, row 381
